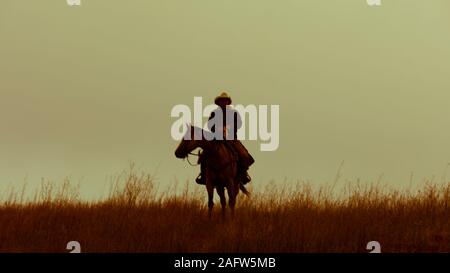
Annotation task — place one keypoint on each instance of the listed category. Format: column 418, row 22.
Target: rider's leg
column 244, row 162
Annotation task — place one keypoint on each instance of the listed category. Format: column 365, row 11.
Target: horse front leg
column 223, row 201
column 210, row 189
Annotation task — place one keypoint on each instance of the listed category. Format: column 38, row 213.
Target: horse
column 220, row 166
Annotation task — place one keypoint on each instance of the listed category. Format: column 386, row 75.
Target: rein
column 195, row 154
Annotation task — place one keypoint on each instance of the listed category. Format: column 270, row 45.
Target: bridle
column 198, row 155
column 195, row 154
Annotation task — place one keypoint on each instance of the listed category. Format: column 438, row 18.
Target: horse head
column 191, row 140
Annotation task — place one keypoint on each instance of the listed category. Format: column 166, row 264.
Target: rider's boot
column 246, row 178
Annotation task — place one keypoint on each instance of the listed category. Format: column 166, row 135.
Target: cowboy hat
column 223, row 96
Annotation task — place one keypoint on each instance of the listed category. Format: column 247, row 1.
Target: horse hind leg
column 223, row 201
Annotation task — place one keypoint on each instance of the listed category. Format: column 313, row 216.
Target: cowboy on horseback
column 231, row 122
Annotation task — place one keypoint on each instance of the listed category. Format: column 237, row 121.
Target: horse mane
column 205, row 134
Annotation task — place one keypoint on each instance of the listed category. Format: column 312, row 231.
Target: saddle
column 242, row 168
column 228, row 145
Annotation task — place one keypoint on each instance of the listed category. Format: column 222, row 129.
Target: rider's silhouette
column 232, row 122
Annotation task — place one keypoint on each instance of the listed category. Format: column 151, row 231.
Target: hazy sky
column 86, row 90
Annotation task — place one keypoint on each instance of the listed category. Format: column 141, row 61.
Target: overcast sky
column 86, row 90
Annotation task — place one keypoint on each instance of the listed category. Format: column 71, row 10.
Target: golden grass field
column 134, row 218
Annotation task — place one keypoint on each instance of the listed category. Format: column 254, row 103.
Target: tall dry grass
column 135, row 217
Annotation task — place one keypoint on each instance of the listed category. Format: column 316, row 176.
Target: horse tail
column 243, row 189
